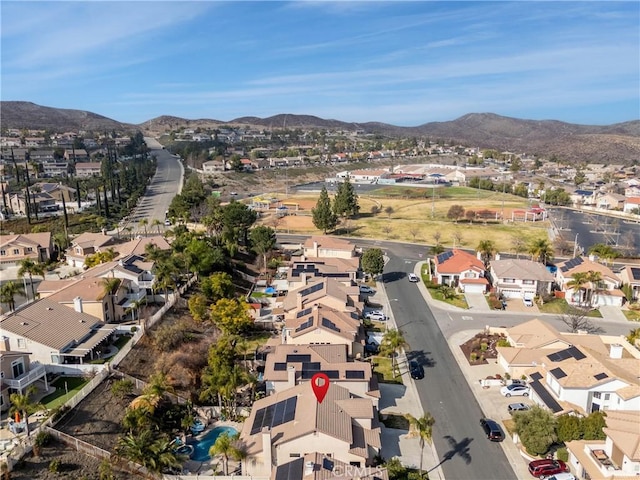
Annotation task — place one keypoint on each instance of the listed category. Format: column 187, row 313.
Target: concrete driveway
column 477, row 302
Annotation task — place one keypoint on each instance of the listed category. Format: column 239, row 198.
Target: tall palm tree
column 634, row 336
column 31, row 268
column 594, row 285
column 541, row 250
column 149, row 450
column 392, row 342
column 226, row 446
column 8, row 292
column 143, row 223
column 577, row 283
column 156, row 223
column 423, row 426
column 21, row 403
column 110, row 287
column 487, row 249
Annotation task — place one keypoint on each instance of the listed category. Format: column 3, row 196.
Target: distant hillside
column 619, row 143
column 29, row 115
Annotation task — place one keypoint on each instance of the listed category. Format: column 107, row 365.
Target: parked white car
column 377, row 316
column 515, row 390
column 413, row 278
column 367, row 289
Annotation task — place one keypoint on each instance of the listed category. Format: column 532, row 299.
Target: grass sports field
column 415, row 215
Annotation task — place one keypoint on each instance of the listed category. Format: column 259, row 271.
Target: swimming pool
column 202, row 446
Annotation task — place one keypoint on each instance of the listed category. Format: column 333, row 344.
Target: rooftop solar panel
column 290, row 409
column 354, row 374
column 558, row 373
column 329, row 324
column 290, row 471
column 332, row 373
column 635, row 273
column 305, row 325
column 298, row 358
column 304, row 313
column 279, row 366
column 274, row 415
column 601, row 376
column 575, row 353
column 536, row 376
column 313, row 288
column 311, row 366
column 443, row 257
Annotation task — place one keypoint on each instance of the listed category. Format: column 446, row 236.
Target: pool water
column 202, row 446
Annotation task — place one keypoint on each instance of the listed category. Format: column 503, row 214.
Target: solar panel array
column 291, row 470
column 574, row 262
column 536, row 376
column 558, row 373
column 293, row 357
column 311, row 366
column 635, row 273
column 304, row 325
column 443, row 257
column 274, row 415
column 566, row 353
column 333, row 374
column 279, row 366
column 329, row 324
column 354, row 374
column 601, row 376
column 313, row 288
column 304, row 313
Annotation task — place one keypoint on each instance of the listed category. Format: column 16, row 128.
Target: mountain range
column 617, row 143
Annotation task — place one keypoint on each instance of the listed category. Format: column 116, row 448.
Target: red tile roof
column 459, row 262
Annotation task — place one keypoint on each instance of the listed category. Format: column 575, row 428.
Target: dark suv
column 492, row 430
column 416, row 370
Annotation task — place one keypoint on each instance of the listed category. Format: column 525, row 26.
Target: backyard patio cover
column 92, row 342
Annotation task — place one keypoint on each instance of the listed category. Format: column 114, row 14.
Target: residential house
column 606, row 291
column 55, row 169
column 213, row 166
column 138, row 246
column 87, row 244
column 15, row 248
column 575, row 372
column 323, row 291
column 458, row 268
column 617, row 457
column 632, row 205
column 610, row 201
column 51, row 333
column 323, row 325
column 520, row 278
column 463, row 176
column 39, row 201
column 88, row 169
column 77, row 155
column 89, row 295
column 290, row 365
column 632, row 191
column 42, row 156
column 17, row 373
column 302, row 270
column 583, row 197
column 631, row 275
column 324, row 247
column 317, row 466
column 57, row 191
column 292, row 423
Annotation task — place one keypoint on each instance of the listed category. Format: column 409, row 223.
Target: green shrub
column 484, row 347
column 503, row 342
column 473, row 356
column 42, row 439
column 55, row 466
column 562, row 454
column 122, row 388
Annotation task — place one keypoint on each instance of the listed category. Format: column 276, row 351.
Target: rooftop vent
column 23, row 323
column 49, row 308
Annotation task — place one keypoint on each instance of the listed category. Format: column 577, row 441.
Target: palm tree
column 594, row 279
column 436, row 249
column 147, row 449
column 110, row 287
column 487, row 249
column 143, row 223
column 541, row 250
column 156, row 223
column 8, row 292
column 22, row 404
column 226, row 445
column 392, row 342
column 577, row 283
column 634, row 336
column 423, row 426
column 31, row 268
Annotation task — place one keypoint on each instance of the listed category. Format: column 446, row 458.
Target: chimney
column 615, row 350
column 304, row 278
column 315, row 249
column 291, row 376
column 479, row 255
column 266, row 447
column 497, row 257
column 77, row 304
column 4, row 344
column 299, row 301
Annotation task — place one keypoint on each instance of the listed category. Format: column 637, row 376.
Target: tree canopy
column 345, row 203
column 372, row 261
column 324, row 217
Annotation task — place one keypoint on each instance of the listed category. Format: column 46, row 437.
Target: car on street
column 233, row 194
column 528, row 302
column 367, row 289
column 517, row 407
column 416, row 370
column 515, row 390
column 377, row 316
column 547, row 467
column 492, row 430
column 413, row 278
column 561, row 476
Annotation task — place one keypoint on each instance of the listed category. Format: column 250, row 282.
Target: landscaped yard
column 66, row 387
column 561, row 307
column 633, row 315
column 382, row 367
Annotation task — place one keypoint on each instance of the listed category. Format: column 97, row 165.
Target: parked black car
column 416, row 370
column 492, row 430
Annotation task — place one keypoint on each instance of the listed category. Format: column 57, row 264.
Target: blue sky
column 393, row 62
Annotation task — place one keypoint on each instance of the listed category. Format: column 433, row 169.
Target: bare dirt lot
column 73, row 465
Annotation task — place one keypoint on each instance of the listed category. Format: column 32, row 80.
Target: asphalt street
column 165, row 184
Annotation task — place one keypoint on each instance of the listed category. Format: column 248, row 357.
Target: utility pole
column 433, row 200
column 575, row 246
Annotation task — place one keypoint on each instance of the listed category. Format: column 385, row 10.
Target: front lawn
column 457, row 301
column 561, row 307
column 66, row 387
column 382, row 367
column 632, row 315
